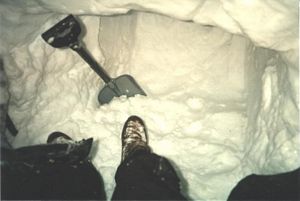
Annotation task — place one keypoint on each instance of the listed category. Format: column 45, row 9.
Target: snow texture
column 221, row 78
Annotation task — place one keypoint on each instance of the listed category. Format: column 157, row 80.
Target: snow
column 222, row 85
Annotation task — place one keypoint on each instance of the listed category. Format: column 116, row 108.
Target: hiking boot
column 134, row 136
column 59, row 138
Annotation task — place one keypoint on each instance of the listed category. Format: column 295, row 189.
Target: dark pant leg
column 285, row 186
column 146, row 176
column 78, row 181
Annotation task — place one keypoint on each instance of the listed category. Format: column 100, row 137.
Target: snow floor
column 218, row 106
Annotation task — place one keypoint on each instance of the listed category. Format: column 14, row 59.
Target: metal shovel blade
column 122, row 85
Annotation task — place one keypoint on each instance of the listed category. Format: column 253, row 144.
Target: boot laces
column 134, row 132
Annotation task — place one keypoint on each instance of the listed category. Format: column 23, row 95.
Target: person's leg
column 284, row 186
column 59, row 170
column 143, row 175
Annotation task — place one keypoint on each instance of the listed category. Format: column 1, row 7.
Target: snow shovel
column 65, row 34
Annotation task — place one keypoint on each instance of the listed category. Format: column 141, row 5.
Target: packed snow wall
column 221, row 79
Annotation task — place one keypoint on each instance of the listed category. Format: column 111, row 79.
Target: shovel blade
column 122, row 85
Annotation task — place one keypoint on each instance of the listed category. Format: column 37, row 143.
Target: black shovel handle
column 91, row 61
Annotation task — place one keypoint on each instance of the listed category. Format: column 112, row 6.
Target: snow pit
column 221, row 79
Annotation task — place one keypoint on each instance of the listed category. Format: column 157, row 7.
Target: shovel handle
column 92, row 63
